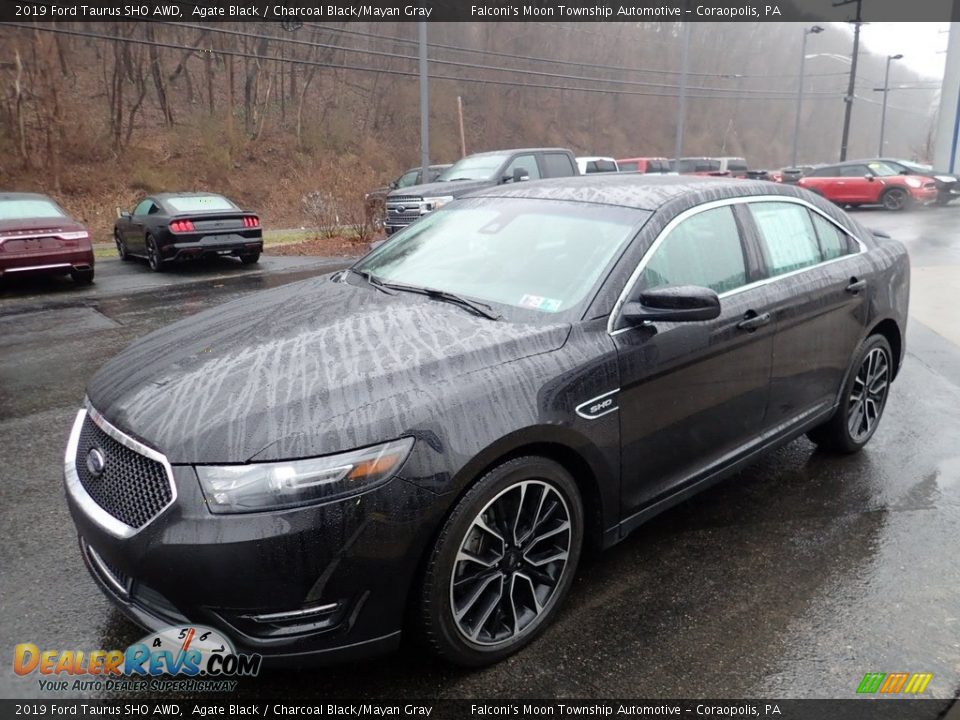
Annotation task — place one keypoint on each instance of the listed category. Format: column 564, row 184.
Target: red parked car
column 37, row 236
column 648, row 165
column 875, row 183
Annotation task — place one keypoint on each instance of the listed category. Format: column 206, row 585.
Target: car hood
column 240, row 381
column 440, row 189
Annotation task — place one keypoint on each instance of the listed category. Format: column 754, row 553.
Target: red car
column 38, row 237
column 858, row 183
column 651, row 165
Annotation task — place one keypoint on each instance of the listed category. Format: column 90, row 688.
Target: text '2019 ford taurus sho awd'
column 424, row 442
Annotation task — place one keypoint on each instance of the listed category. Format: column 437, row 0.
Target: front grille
column 403, row 210
column 132, row 488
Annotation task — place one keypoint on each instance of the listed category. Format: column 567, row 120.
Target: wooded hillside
column 96, row 114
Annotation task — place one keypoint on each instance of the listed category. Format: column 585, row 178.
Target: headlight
column 944, row 178
column 913, row 182
column 271, row 486
column 434, row 203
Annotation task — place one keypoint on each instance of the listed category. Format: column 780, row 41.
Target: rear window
column 631, row 166
column 200, row 203
column 557, row 165
column 601, row 166
column 32, row 208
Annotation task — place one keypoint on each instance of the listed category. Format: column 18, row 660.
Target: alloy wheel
column 868, row 394
column 894, row 199
column 121, row 248
column 510, row 563
column 153, row 255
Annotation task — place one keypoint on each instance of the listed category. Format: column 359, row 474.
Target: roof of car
column 166, row 195
column 644, row 192
column 508, row 151
column 23, row 196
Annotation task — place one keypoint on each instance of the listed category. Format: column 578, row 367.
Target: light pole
column 886, row 90
column 815, row 30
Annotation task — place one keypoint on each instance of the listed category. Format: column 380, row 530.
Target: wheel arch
column 890, row 330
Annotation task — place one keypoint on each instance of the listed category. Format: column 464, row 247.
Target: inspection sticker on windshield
column 540, row 303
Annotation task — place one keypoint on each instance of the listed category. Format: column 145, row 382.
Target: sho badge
column 599, row 406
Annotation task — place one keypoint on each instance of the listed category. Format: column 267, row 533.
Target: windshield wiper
column 473, row 305
column 372, row 280
column 455, row 179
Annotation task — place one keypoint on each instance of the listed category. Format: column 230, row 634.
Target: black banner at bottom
column 854, row 709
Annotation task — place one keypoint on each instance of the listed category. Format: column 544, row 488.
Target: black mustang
column 179, row 226
column 432, row 434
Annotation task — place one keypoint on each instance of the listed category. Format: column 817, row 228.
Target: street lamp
column 886, row 90
column 815, row 30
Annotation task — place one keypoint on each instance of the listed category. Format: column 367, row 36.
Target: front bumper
column 325, row 582
column 923, row 195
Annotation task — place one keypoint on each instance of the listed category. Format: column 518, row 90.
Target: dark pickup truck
column 483, row 170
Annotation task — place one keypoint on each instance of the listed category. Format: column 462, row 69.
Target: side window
column 787, row 234
column 823, row 172
column 703, row 250
column 527, row 163
column 855, row 171
column 144, row 208
column 834, row 242
column 556, row 165
column 408, row 178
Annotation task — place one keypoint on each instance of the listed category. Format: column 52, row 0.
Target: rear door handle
column 751, row 321
column 856, row 286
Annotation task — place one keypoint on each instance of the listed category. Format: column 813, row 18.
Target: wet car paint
column 335, row 366
column 789, row 579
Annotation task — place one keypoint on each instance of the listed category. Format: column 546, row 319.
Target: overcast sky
column 920, row 44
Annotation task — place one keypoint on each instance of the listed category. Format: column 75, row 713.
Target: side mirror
column 394, row 185
column 868, row 177
column 679, row 303
column 519, row 175
column 123, row 214
column 904, row 172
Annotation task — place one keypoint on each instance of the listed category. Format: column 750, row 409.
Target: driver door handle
column 751, row 321
column 856, row 286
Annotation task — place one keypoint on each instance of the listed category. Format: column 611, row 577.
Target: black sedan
column 948, row 184
column 424, row 442
column 179, row 226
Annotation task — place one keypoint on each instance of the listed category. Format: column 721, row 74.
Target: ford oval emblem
column 96, row 462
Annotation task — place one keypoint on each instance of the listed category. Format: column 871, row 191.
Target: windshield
column 882, row 170
column 200, row 203
column 477, row 167
column 539, row 255
column 32, row 208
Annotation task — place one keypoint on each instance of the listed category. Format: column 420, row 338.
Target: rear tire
column 153, row 255
column 895, row 199
column 250, row 258
column 503, row 562
column 82, row 277
column 862, row 402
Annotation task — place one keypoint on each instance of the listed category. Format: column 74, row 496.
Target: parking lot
column 791, row 579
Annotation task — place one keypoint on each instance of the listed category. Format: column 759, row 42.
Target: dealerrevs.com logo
column 202, row 659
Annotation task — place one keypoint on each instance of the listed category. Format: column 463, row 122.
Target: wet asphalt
column 792, row 579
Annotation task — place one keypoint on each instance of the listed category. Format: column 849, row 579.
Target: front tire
column 503, row 562
column 862, row 402
column 895, row 199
